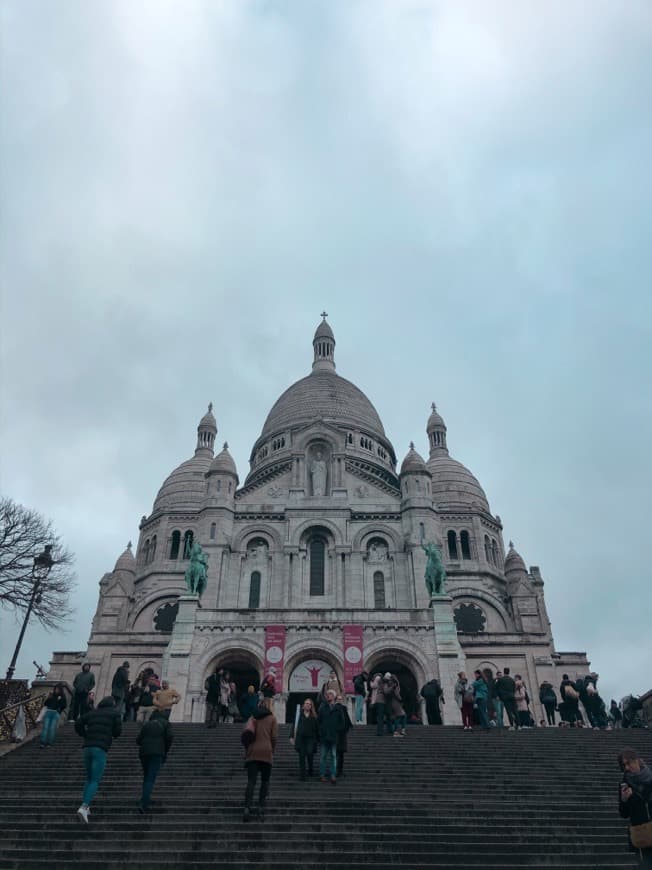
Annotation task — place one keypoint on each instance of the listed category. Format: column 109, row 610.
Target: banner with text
column 352, row 635
column 275, row 653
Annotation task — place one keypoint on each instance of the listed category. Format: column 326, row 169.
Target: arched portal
column 400, row 665
column 243, row 667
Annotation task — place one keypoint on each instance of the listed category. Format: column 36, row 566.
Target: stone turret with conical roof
column 436, row 430
column 515, row 569
column 206, row 432
column 324, row 346
column 222, row 476
column 126, row 563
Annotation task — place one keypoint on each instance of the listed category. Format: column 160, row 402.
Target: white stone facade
column 325, row 532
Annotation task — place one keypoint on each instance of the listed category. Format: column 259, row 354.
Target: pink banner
column 275, row 653
column 352, row 635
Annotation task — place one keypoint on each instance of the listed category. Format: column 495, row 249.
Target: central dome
column 323, row 395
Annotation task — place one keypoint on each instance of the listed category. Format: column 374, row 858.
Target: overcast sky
column 465, row 187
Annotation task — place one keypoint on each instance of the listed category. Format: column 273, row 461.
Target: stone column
column 176, row 658
column 450, row 656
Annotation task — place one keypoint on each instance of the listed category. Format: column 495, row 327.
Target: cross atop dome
column 324, row 346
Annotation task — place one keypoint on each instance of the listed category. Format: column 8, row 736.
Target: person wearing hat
column 120, row 686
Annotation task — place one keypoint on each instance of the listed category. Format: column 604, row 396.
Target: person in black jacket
column 54, row 705
column 360, row 688
column 635, row 802
column 505, row 688
column 432, row 693
column 342, row 739
column 304, row 738
column 548, row 698
column 331, row 724
column 120, row 686
column 212, row 686
column 154, row 740
column 98, row 728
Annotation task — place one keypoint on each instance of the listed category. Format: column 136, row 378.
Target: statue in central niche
column 318, row 474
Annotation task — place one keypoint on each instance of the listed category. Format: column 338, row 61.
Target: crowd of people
column 323, row 727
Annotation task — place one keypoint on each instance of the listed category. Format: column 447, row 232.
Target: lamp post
column 43, row 564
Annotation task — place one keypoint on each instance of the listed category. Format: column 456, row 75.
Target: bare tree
column 24, row 534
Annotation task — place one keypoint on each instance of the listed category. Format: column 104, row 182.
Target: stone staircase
column 438, row 798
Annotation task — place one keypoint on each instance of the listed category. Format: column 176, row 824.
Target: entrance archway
column 405, row 676
column 244, row 669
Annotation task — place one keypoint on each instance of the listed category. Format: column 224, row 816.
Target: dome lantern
column 436, row 429
column 206, row 432
column 324, row 347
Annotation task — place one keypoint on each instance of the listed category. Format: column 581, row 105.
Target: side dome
column 413, row 462
column 323, row 395
column 453, row 485
column 186, row 486
column 126, row 562
column 514, row 563
column 223, row 463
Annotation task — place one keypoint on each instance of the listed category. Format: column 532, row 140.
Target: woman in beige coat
column 259, row 757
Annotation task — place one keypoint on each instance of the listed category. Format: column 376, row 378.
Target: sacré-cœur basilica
column 317, row 562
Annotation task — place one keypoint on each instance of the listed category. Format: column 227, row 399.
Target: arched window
column 219, row 485
column 175, row 543
column 187, row 544
column 466, row 545
column 452, row 545
column 145, row 552
column 487, row 549
column 379, row 591
column 422, row 532
column 213, row 531
column 254, row 590
column 317, row 566
column 152, row 549
column 494, row 551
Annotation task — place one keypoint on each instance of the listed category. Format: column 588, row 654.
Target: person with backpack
column 506, row 691
column 98, row 728
column 259, row 738
column 360, row 691
column 54, row 706
column 304, row 737
column 154, row 741
column 464, row 700
column 570, row 698
column 433, row 695
column 548, row 698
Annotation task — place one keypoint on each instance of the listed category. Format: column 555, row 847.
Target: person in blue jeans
column 360, row 689
column 331, row 724
column 54, row 705
column 154, row 741
column 98, row 728
column 481, row 697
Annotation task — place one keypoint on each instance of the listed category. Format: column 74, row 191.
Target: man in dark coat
column 98, row 728
column 212, row 686
column 120, row 686
column 331, row 725
column 154, row 741
column 83, row 683
column 432, row 692
column 505, row 688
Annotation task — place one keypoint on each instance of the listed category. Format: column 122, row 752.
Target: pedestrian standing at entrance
column 166, row 697
column 480, row 698
column 378, row 702
column 521, row 697
column 635, row 803
column 360, row 689
column 268, row 686
column 225, row 694
column 464, row 700
column 332, row 684
column 570, row 699
column 506, row 689
column 615, row 715
column 248, row 703
column 488, row 675
column 393, row 705
column 433, row 695
column 98, row 728
column 342, row 738
column 304, row 738
column 548, row 698
column 83, row 683
column 54, row 706
column 331, row 725
column 154, row 741
column 212, row 686
column 499, row 707
column 120, row 686
column 259, row 758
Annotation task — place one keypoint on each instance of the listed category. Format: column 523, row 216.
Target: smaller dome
column 435, row 420
column 413, row 462
column 514, row 561
column 126, row 561
column 453, row 485
column 208, row 421
column 223, row 463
